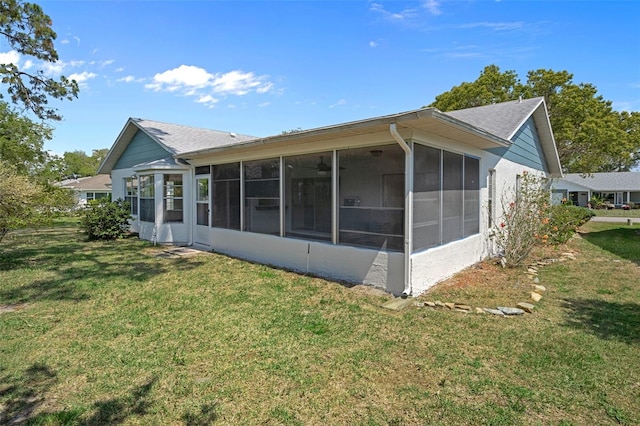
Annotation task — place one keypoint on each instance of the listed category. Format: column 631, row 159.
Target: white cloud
column 82, row 77
column 10, row 57
column 264, row 104
column 208, row 100
column 401, row 16
column 189, row 80
column 27, row 64
column 54, row 68
column 373, row 44
column 432, row 6
column 339, row 103
column 128, row 79
column 495, row 26
column 237, row 83
column 65, row 41
column 183, row 76
column 120, row 69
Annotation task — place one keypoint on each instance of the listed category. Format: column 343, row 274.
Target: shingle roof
column 614, row 181
column 89, row 183
column 503, row 119
column 487, row 126
column 179, row 139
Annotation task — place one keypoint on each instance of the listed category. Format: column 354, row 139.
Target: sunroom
column 341, row 207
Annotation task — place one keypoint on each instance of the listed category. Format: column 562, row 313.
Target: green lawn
column 107, row 333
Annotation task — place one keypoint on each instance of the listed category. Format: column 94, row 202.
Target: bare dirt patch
column 12, row 307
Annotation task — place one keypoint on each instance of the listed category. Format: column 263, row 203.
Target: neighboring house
column 88, row 188
column 615, row 188
column 399, row 202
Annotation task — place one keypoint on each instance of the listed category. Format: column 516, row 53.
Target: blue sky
column 262, row 67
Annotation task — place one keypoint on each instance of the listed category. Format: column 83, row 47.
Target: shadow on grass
column 73, row 266
column 23, row 401
column 607, row 320
column 623, row 241
column 26, row 395
column 117, row 410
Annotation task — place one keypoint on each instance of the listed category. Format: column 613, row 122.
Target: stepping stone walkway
column 176, row 252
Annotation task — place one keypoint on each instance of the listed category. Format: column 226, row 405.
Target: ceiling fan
column 322, row 167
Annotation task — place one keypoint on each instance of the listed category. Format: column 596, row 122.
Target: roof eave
column 541, row 115
column 329, row 132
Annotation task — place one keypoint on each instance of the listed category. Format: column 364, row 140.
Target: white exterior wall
column 337, row 262
column 439, row 263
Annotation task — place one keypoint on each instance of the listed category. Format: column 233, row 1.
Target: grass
column 107, row 333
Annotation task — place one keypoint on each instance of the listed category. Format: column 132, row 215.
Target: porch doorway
column 202, row 236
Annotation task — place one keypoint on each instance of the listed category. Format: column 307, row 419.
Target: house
column 400, row 201
column 88, row 188
column 614, row 188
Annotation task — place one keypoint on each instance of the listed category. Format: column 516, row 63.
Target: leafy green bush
column 564, row 221
column 106, row 220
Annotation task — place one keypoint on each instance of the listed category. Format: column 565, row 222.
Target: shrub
column 106, row 220
column 525, row 215
column 596, row 202
column 564, row 221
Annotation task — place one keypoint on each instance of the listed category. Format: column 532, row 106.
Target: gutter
column 408, row 207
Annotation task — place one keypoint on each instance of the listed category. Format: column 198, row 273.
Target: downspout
column 408, row 207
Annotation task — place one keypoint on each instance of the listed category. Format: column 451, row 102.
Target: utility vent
column 233, row 135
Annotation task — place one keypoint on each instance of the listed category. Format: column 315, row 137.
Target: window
column 173, row 198
column 96, row 195
column 446, row 197
column 426, row 197
column 371, row 197
column 262, row 196
column 147, row 198
column 202, row 201
column 308, row 196
column 131, row 194
column 226, row 196
column 491, row 196
column 452, row 210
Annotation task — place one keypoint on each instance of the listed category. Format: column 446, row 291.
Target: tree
column 24, row 202
column 28, row 31
column 22, row 140
column 491, row 87
column 590, row 135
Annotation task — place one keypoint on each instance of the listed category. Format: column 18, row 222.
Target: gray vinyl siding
column 141, row 149
column 526, row 148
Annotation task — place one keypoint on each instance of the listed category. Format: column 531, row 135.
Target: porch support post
column 282, row 187
column 408, row 207
column 334, row 199
column 241, row 196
